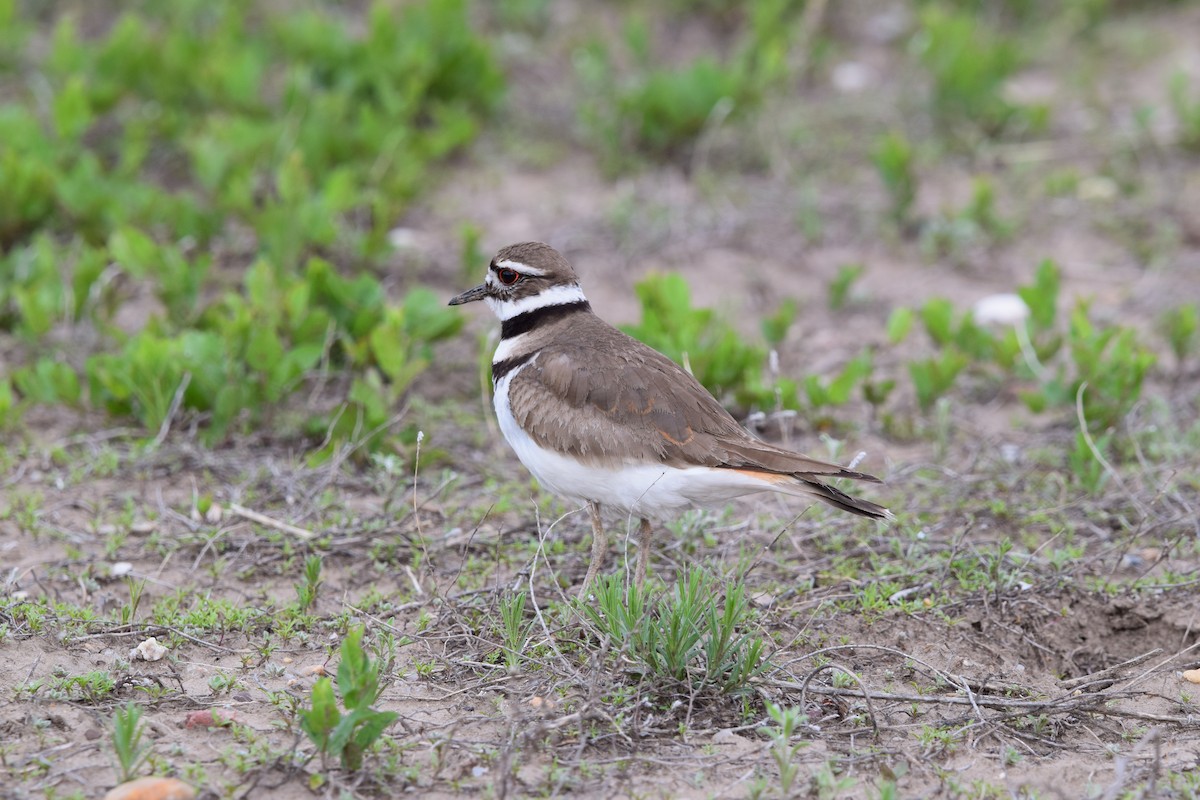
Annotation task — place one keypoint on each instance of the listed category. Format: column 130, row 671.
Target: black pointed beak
column 470, row 295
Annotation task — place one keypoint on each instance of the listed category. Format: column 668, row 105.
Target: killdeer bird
column 602, row 419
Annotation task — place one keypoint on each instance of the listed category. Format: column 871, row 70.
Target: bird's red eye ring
column 508, row 276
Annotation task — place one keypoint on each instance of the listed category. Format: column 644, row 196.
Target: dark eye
column 508, row 276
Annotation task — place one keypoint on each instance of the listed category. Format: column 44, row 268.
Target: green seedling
column 1180, row 326
column 1042, row 296
column 893, row 159
column 48, row 382
column 347, row 732
column 9, row 412
column 775, row 326
column 787, row 721
column 837, row 390
column 306, row 592
column 514, row 627
column 1086, row 462
column 840, row 286
column 126, row 738
column 954, row 233
column 933, row 377
column 136, row 590
column 1185, row 103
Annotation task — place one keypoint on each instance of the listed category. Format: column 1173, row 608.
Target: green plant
column 349, row 733
column 837, row 390
column 969, row 64
column 252, row 349
column 933, row 377
column 129, row 611
column 514, row 627
column 782, row 750
column 1180, row 326
column 1186, row 106
column 712, row 350
column 839, row 287
column 299, row 130
column 126, row 738
column 775, row 326
column 306, row 592
column 954, row 233
column 9, row 412
column 662, row 112
column 49, row 382
column 1109, row 360
column 893, row 159
column 685, row 636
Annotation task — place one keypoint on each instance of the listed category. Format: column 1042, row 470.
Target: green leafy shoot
column 893, row 159
column 1185, row 104
column 126, row 737
column 1180, row 326
column 306, row 592
column 347, row 732
column 841, row 285
column 783, row 749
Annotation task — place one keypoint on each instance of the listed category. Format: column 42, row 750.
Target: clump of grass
column 968, row 64
column 687, row 636
column 893, row 159
column 661, row 112
column 715, row 353
column 306, row 592
column 126, row 738
column 1180, row 326
column 514, row 628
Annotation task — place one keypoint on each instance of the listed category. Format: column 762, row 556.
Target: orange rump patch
column 768, row 477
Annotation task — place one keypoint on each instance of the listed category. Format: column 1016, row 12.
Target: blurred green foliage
column 660, row 112
column 289, row 137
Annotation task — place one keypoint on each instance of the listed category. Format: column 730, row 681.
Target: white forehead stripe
column 524, row 269
column 554, row 296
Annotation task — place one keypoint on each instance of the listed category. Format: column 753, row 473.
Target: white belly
column 648, row 489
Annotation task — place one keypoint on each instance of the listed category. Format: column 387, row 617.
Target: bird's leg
column 643, row 551
column 599, row 548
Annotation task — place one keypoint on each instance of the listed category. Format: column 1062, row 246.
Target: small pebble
column 121, row 568
column 1192, row 675
column 149, row 650
column 152, row 789
column 209, row 718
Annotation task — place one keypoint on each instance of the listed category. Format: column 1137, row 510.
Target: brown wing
column 610, row 397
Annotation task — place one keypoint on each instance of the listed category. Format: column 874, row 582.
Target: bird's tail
column 839, row 499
